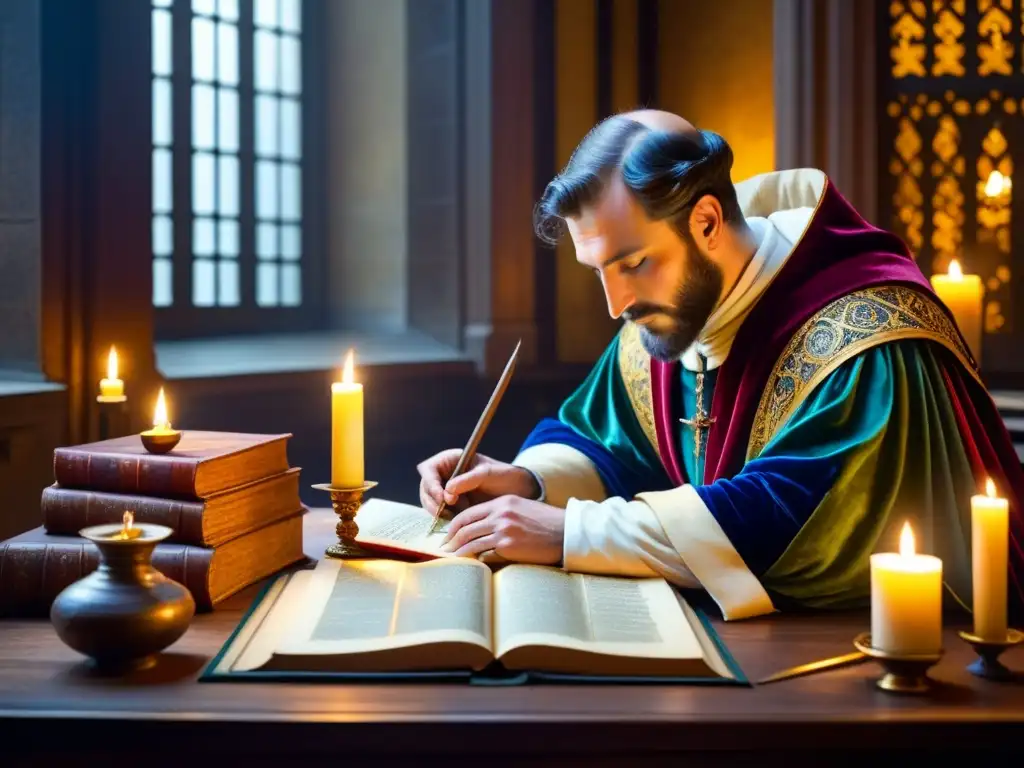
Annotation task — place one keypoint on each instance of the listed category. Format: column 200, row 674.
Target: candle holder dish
column 987, row 665
column 346, row 503
column 125, row 612
column 904, row 673
column 162, row 441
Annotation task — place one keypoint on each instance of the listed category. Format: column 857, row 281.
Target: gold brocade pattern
column 635, row 369
column 839, row 332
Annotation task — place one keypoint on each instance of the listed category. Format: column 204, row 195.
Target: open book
column 390, row 527
column 387, row 616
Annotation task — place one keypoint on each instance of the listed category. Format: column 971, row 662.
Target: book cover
column 208, row 522
column 202, row 464
column 36, row 566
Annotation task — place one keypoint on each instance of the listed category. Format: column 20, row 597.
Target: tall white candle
column 347, row 429
column 906, row 600
column 990, row 549
column 963, row 295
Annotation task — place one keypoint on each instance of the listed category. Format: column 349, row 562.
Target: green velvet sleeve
column 885, row 424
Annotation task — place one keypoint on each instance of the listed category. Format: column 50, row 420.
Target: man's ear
column 706, row 221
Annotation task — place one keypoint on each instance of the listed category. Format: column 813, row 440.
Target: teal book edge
column 495, row 675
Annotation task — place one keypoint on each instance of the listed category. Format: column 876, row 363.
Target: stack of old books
column 230, row 498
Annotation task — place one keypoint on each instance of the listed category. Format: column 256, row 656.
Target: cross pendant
column 700, row 422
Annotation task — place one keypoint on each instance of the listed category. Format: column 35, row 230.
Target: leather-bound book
column 202, row 464
column 209, row 522
column 36, row 566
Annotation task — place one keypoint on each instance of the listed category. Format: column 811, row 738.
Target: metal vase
column 125, row 612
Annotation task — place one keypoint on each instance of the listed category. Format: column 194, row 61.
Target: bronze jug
column 125, row 612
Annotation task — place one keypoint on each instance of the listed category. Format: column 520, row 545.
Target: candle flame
column 160, row 412
column 347, row 375
column 907, row 541
column 954, row 270
column 128, row 520
column 990, row 488
column 112, row 363
column 997, row 184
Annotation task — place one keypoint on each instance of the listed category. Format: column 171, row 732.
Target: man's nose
column 619, row 296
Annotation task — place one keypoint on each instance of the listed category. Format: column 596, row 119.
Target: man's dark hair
column 667, row 172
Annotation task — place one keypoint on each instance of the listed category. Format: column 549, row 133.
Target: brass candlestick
column 904, row 673
column 346, row 503
column 987, row 665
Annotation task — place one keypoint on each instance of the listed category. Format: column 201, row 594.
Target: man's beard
column 696, row 297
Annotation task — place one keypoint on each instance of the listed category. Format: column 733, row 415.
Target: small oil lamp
column 128, row 529
column 162, row 437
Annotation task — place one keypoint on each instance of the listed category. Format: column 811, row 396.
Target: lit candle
column 161, row 424
column 128, row 531
column 112, row 387
column 990, row 546
column 906, row 600
column 347, row 429
column 963, row 295
column 162, row 437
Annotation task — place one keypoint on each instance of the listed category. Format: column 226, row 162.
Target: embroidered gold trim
column 635, row 368
column 839, row 332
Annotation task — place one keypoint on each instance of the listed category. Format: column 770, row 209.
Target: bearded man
column 785, row 394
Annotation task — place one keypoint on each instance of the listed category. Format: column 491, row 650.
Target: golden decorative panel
column 907, row 166
column 952, row 103
column 995, row 52
column 994, row 195
column 907, row 32
column 949, row 29
column 948, row 199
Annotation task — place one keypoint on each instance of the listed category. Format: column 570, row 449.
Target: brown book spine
column 171, row 476
column 68, row 510
column 32, row 574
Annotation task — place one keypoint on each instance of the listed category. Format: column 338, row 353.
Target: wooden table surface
column 50, row 701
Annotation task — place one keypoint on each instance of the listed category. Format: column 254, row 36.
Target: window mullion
column 182, row 158
column 246, row 256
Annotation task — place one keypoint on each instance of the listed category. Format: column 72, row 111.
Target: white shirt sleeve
column 620, row 538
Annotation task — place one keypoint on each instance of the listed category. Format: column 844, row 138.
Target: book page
column 356, row 606
column 263, row 630
column 402, row 527
column 605, row 615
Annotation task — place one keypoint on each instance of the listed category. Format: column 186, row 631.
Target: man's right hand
column 485, row 479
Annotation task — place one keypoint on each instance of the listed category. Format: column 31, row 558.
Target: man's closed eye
column 635, row 266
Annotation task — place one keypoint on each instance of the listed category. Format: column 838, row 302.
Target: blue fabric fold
column 762, row 509
column 616, row 476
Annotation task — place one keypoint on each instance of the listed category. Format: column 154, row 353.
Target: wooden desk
column 48, row 702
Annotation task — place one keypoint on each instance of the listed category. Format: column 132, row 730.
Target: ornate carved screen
column 952, row 129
